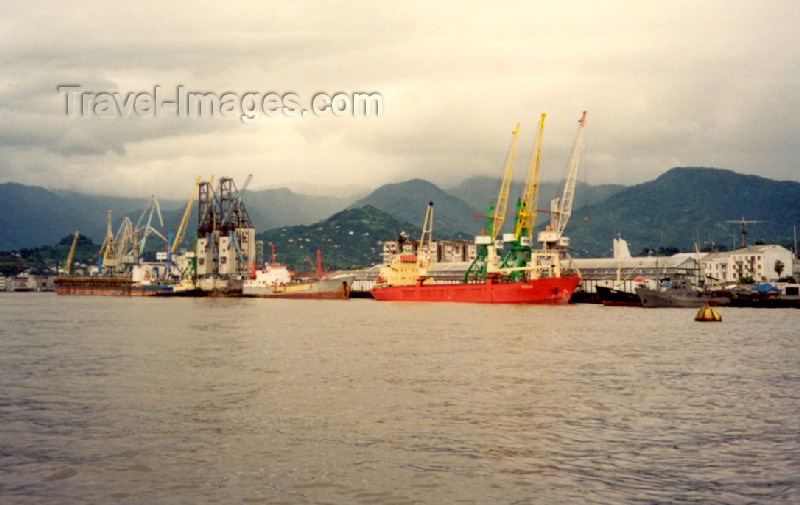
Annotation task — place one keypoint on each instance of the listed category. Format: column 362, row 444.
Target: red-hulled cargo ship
column 523, row 275
column 547, row 291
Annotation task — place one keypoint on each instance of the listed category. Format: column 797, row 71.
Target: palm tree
column 779, row 267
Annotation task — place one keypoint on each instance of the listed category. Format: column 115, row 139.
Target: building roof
column 756, row 249
column 642, row 262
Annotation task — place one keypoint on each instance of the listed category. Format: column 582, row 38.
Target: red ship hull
column 550, row 291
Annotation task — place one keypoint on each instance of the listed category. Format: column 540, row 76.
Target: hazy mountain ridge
column 32, row 216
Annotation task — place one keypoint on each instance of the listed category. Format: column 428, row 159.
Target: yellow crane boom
column 501, row 206
column 180, row 234
column 527, row 211
column 68, row 263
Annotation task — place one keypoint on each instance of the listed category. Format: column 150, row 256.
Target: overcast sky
column 679, row 83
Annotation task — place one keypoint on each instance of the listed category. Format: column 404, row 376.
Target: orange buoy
column 707, row 314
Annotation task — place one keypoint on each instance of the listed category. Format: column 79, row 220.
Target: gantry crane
column 226, row 245
column 485, row 261
column 235, row 217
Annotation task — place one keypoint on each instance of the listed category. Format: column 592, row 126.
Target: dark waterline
column 124, row 400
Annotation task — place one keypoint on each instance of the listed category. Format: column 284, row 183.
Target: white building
column 758, row 262
column 446, row 251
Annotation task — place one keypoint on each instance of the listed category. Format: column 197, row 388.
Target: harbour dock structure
column 627, row 273
column 708, row 270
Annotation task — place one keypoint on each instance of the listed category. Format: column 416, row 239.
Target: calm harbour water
column 125, row 400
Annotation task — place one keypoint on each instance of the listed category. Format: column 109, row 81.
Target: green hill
column 685, row 205
column 351, row 238
column 47, row 259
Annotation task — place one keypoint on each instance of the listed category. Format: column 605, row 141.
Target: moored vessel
column 679, row 292
column 552, row 291
column 503, row 271
column 107, row 286
column 611, row 296
column 275, row 280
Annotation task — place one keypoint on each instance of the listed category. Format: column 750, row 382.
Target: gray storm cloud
column 684, row 83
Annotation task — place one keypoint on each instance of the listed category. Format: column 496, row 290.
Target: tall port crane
column 426, row 238
column 68, row 263
column 497, row 213
column 743, row 222
column 526, row 207
column 561, row 206
column 181, row 233
column 118, row 251
column 519, row 243
column 108, row 250
column 152, row 207
column 486, row 257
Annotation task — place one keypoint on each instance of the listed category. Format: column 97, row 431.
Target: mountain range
column 687, row 205
column 680, row 207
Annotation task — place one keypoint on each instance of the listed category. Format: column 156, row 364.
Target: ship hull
column 550, row 291
column 105, row 286
column 652, row 298
column 326, row 289
column 611, row 297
